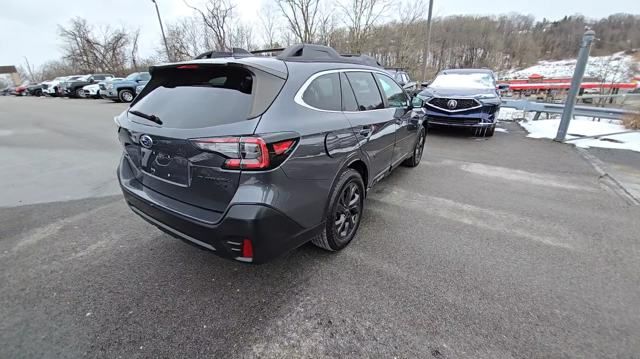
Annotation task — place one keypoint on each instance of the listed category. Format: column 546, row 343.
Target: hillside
column 618, row 67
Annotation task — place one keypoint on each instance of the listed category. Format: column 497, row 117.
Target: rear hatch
column 181, row 131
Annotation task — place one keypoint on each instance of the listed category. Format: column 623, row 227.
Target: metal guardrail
column 587, row 111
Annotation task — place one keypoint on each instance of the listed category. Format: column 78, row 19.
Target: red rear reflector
column 187, row 67
column 247, row 248
column 282, row 147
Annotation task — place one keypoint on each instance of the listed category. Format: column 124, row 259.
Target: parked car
column 34, row 90
column 125, row 90
column 402, row 77
column 51, row 88
column 7, row 91
column 251, row 157
column 20, row 90
column 464, row 98
column 73, row 88
column 139, row 88
column 93, row 90
column 62, row 87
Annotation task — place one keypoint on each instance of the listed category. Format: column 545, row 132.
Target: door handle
column 366, row 131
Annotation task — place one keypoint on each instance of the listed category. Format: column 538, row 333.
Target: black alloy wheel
column 347, row 212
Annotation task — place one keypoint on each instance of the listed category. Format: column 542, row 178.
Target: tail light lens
column 247, row 153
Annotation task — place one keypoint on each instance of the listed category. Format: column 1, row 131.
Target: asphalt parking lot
column 502, row 248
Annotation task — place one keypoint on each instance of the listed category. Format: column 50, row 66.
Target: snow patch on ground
column 510, row 114
column 584, row 126
column 616, row 67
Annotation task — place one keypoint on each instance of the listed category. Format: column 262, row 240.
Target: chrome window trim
column 298, row 97
column 428, row 103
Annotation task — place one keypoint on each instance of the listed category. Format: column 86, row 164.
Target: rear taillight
column 247, row 153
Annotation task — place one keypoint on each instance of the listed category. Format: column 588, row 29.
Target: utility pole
column 29, row 69
column 427, row 49
column 576, row 81
column 162, row 30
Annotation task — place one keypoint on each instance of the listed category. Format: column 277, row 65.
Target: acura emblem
column 451, row 104
column 146, row 141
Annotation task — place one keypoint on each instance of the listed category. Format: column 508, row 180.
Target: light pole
column 576, row 81
column 426, row 51
column 162, row 30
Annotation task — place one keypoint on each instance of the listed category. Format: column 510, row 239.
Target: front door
column 373, row 123
column 406, row 129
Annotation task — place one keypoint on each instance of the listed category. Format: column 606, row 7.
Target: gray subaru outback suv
column 252, row 156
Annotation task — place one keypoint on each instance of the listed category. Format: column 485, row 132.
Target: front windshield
column 470, row 80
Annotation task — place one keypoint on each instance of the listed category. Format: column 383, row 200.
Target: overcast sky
column 28, row 27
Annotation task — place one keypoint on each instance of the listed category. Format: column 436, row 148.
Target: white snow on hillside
column 616, row 67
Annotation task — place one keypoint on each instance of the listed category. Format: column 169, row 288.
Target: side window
column 144, row 76
column 98, row 77
column 348, row 98
column 366, row 91
column 324, row 93
column 396, row 96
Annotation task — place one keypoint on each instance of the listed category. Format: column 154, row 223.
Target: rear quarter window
column 324, row 93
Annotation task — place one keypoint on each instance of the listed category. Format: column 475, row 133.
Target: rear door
column 373, row 124
column 188, row 105
column 406, row 130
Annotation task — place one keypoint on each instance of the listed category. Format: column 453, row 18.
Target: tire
column 344, row 212
column 418, row 149
column 490, row 131
column 78, row 93
column 126, row 95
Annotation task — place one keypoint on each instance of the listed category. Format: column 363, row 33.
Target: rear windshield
column 201, row 97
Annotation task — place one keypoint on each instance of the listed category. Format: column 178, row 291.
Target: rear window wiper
column 152, row 118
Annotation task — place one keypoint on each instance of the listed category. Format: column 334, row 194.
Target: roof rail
column 266, row 51
column 235, row 52
column 321, row 53
column 363, row 59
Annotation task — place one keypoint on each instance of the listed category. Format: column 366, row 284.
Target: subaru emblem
column 452, row 104
column 146, row 141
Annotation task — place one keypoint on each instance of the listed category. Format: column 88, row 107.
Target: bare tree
column 218, row 17
column 187, row 38
column 242, row 37
column 360, row 16
column 88, row 49
column 302, row 18
column 268, row 20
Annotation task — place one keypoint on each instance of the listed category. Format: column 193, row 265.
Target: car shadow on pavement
column 169, row 295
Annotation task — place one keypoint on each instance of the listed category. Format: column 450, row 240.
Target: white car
column 93, row 90
column 51, row 87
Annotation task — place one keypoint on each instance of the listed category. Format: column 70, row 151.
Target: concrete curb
column 607, row 178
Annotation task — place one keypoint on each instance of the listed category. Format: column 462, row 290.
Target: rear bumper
column 271, row 232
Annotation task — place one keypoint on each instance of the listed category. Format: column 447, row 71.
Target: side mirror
column 417, row 102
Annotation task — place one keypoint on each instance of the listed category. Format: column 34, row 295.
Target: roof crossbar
column 235, row 52
column 298, row 53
